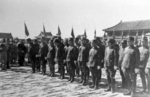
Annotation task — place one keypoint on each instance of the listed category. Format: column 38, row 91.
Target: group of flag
column 85, row 35
column 59, row 32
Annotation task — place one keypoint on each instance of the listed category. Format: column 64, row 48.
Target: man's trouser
column 147, row 71
column 122, row 77
column 143, row 78
column 129, row 74
column 61, row 69
column 96, row 75
column 84, row 70
column 111, row 76
column 33, row 60
column 71, row 69
column 43, row 63
column 21, row 59
column 51, row 67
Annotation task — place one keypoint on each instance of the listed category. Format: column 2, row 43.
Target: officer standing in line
column 94, row 63
column 121, row 52
column 77, row 46
column 147, row 71
column 83, row 59
column 59, row 57
column 110, row 64
column 70, row 58
column 144, row 55
column 43, row 55
column 21, row 53
column 130, row 65
column 51, row 57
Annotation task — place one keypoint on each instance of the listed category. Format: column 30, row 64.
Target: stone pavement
column 20, row 82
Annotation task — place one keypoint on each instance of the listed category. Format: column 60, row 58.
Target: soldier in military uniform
column 43, row 55
column 130, row 65
column 65, row 42
column 3, row 52
column 83, row 59
column 101, row 49
column 13, row 51
column 94, row 63
column 147, row 72
column 21, row 53
column 59, row 57
column 33, row 51
column 50, row 58
column 70, row 59
column 110, row 64
column 144, row 55
column 121, row 52
column 77, row 46
column 37, row 59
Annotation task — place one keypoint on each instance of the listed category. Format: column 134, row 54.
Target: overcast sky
column 79, row 14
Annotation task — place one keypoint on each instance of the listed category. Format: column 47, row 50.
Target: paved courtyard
column 20, row 82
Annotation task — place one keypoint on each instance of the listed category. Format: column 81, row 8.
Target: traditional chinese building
column 47, row 35
column 128, row 28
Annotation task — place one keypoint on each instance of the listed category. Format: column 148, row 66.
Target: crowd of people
column 79, row 57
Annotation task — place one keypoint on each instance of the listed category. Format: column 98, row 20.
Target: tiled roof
column 5, row 35
column 130, row 25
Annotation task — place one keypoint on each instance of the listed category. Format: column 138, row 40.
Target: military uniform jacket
column 65, row 51
column 101, row 51
column 51, row 53
column 59, row 55
column 110, row 57
column 94, row 57
column 144, row 55
column 22, row 49
column 83, row 54
column 43, row 51
column 130, row 57
column 121, row 53
column 70, row 54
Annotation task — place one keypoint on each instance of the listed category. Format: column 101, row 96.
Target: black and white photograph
column 74, row 48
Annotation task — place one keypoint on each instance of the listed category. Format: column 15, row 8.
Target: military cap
column 56, row 40
column 83, row 38
column 70, row 39
column 94, row 41
column 111, row 40
column 144, row 38
column 124, row 42
column 28, row 39
column 130, row 38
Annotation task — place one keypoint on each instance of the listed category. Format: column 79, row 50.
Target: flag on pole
column 95, row 34
column 85, row 34
column 59, row 32
column 72, row 33
column 44, row 31
column 26, row 30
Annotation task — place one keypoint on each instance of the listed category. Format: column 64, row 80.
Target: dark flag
column 44, row 31
column 59, row 32
column 85, row 34
column 72, row 33
column 95, row 34
column 26, row 30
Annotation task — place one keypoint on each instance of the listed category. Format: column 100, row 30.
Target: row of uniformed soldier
column 80, row 57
